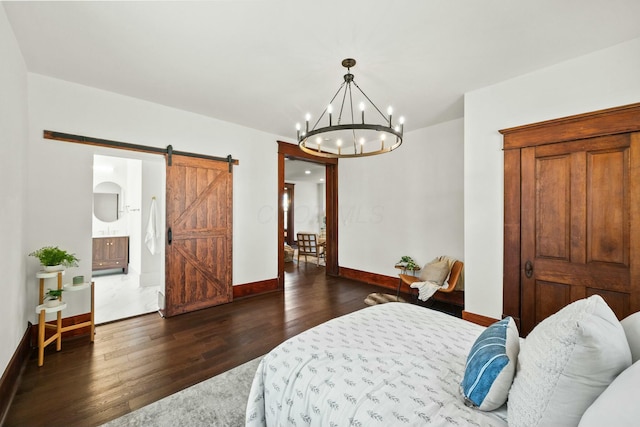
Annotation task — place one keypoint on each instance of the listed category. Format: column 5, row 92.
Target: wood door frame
column 286, row 149
column 611, row 121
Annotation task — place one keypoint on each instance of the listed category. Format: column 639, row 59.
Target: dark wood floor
column 137, row 361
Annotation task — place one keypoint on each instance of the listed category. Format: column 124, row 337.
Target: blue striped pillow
column 491, row 366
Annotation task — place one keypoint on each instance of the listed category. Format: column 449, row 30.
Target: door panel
column 608, row 211
column 199, row 213
column 553, row 216
column 575, row 212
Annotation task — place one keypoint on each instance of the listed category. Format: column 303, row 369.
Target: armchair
column 308, row 245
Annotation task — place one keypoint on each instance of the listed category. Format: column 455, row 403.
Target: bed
column 388, row 364
column 401, row 364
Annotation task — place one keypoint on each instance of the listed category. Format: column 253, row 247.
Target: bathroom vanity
column 111, row 253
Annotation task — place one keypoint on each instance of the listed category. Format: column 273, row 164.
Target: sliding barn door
column 577, row 203
column 199, row 227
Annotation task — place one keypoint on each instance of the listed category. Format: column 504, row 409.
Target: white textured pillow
column 618, row 405
column 565, row 363
column 631, row 325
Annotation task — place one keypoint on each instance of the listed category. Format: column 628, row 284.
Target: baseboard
column 11, row 376
column 478, row 319
column 255, row 288
column 66, row 321
column 372, row 279
column 456, row 297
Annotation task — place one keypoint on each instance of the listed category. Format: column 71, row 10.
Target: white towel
column 152, row 235
column 426, row 289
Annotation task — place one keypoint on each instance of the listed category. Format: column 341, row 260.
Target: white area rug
column 220, row 401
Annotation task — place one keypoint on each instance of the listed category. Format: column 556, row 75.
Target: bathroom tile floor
column 118, row 296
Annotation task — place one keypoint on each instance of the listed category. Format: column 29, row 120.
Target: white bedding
column 389, row 364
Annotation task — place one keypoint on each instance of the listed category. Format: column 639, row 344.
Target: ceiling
column 296, row 171
column 264, row 64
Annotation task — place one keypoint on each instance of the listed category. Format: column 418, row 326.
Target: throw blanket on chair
column 426, row 289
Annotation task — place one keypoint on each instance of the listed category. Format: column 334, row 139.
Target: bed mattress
column 389, row 364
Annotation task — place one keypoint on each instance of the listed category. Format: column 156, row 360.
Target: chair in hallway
column 308, row 245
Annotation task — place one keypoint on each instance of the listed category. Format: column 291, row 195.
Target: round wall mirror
column 106, row 201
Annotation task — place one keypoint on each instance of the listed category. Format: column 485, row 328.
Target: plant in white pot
column 53, row 258
column 52, row 297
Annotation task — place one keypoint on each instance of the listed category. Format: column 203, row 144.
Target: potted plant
column 52, row 297
column 53, row 258
column 407, row 263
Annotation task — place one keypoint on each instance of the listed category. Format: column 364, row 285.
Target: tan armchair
column 308, row 245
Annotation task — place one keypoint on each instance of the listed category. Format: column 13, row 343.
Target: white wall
column 407, row 202
column 13, row 165
column 603, row 79
column 60, row 179
column 306, row 207
column 153, row 185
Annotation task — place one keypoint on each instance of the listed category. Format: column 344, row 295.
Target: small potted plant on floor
column 52, row 297
column 53, row 258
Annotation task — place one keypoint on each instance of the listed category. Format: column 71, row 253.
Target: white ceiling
column 296, row 171
column 264, row 64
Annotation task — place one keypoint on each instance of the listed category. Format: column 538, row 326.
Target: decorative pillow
column 618, row 404
column 631, row 326
column 565, row 363
column 491, row 365
column 436, row 272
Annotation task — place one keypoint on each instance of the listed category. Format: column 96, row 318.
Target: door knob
column 528, row 269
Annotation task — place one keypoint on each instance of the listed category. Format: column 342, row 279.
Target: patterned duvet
column 387, row 365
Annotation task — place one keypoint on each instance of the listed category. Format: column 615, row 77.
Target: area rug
column 378, row 298
column 219, row 401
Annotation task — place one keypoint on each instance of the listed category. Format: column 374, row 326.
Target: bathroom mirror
column 106, row 201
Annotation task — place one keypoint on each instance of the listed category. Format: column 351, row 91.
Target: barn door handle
column 170, row 235
column 528, row 269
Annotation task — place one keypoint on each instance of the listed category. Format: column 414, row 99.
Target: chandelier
column 351, row 135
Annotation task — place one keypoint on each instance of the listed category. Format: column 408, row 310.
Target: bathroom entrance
column 127, row 232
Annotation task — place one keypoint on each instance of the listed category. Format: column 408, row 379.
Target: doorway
column 128, row 250
column 330, row 218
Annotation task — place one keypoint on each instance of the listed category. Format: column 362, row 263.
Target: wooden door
column 572, row 209
column 576, row 229
column 199, row 233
